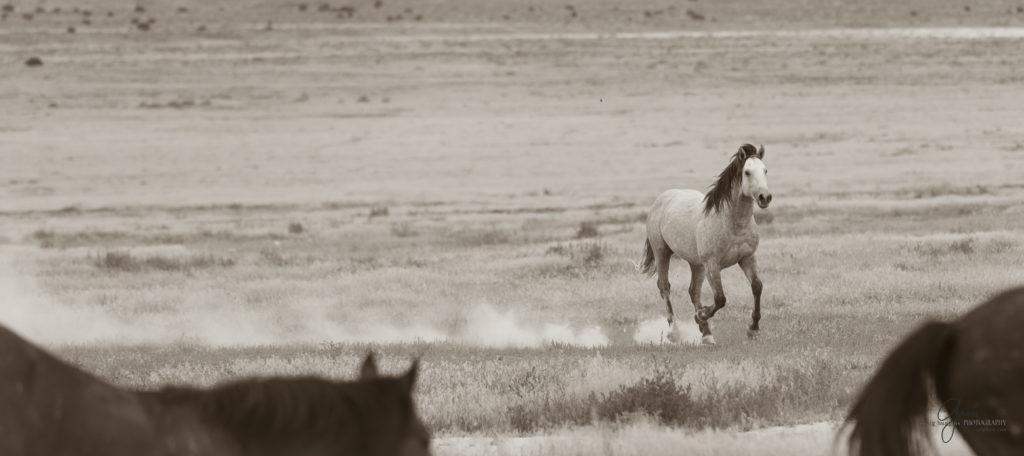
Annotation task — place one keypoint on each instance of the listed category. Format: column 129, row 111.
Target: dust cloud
column 36, row 316
column 657, row 331
column 488, row 327
column 25, row 310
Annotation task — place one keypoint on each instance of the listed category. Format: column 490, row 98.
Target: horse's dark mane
column 286, row 408
column 721, row 191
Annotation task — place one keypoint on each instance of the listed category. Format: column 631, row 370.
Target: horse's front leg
column 714, row 273
column 749, row 266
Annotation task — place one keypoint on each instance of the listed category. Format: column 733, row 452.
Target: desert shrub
column 658, row 396
column 45, row 237
column 797, row 390
column 943, row 190
column 481, row 237
column 587, row 230
column 815, row 386
column 296, row 228
column 996, row 245
column 379, row 211
column 403, row 229
column 963, row 246
column 583, row 256
column 273, row 257
column 550, row 412
column 125, row 261
column 525, row 383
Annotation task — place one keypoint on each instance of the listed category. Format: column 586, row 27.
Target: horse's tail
column 646, row 264
column 890, row 410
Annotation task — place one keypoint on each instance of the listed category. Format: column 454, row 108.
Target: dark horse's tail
column 646, row 265
column 890, row 412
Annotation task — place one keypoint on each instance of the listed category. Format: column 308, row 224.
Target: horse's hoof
column 708, row 340
column 752, row 334
column 672, row 336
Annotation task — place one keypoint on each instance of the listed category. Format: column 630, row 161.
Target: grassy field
column 180, row 206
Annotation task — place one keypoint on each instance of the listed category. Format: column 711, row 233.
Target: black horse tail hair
column 886, row 418
column 646, row 264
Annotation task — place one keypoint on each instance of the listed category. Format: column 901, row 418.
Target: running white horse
column 711, row 232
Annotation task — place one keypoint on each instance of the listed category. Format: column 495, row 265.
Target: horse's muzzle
column 764, row 200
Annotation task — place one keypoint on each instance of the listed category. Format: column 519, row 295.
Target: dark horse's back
column 975, row 366
column 49, row 408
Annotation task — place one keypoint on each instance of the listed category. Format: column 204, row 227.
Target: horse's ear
column 369, row 369
column 747, row 151
column 760, row 152
column 410, row 375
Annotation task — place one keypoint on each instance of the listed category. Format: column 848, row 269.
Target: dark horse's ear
column 369, row 369
column 760, row 152
column 410, row 376
column 747, row 151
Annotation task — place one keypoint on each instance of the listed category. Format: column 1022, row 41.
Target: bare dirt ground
column 287, row 187
column 645, row 439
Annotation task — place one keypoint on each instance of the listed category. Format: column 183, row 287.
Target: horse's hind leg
column 662, row 256
column 749, row 266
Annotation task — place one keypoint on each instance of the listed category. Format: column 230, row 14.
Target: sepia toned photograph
column 511, row 227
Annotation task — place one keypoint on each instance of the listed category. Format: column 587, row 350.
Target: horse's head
column 755, row 176
column 397, row 410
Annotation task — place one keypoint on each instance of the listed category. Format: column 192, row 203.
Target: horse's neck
column 740, row 212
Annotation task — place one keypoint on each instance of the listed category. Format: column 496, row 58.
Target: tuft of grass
column 587, row 230
column 296, row 228
column 946, row 190
column 525, row 383
column 379, row 211
column 273, row 257
column 583, row 256
column 965, row 246
column 45, row 237
column 481, row 237
column 126, row 262
column 403, row 229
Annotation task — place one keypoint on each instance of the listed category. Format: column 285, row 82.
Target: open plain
column 277, row 189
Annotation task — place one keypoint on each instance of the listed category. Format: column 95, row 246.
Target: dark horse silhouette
column 975, row 365
column 50, row 408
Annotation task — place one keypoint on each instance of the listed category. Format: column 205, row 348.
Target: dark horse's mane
column 272, row 409
column 721, row 191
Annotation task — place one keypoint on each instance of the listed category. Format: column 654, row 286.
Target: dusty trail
column 644, row 439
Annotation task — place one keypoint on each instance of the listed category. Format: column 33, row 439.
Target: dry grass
column 815, row 349
column 122, row 261
column 510, row 176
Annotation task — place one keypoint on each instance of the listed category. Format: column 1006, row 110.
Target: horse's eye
column 746, row 172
